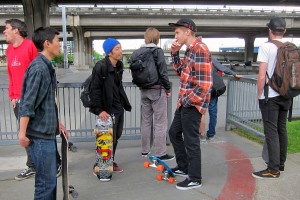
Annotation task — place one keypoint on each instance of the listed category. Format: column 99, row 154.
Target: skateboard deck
column 166, row 172
column 103, row 167
column 67, row 189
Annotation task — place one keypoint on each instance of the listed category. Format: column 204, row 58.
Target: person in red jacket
column 20, row 52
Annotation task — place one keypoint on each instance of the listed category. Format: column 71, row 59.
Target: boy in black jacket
column 107, row 93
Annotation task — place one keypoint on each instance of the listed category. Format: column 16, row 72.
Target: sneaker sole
column 188, row 188
column 105, row 179
column 259, row 177
column 119, row 171
column 20, row 179
column 182, row 175
column 169, row 159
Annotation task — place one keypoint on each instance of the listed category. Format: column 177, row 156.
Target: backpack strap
column 277, row 43
column 290, row 111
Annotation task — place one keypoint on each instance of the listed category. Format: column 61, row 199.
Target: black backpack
column 85, row 95
column 219, row 86
column 143, row 67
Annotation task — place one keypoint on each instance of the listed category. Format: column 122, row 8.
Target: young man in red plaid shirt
column 195, row 71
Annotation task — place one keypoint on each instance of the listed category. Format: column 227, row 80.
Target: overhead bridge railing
column 77, row 119
column 242, row 106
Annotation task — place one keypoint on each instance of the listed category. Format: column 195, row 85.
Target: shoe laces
column 25, row 171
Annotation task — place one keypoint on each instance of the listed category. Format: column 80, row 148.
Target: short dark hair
column 42, row 34
column 21, row 26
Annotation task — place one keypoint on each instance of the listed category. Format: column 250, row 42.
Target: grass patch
column 293, row 129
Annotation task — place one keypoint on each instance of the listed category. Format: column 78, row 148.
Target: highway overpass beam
column 249, row 48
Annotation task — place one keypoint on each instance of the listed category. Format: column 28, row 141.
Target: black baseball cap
column 185, row 22
column 277, row 24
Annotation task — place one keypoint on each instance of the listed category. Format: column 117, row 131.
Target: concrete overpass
column 170, row 2
column 86, row 24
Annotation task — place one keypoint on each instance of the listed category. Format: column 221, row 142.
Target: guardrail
column 242, row 106
column 77, row 119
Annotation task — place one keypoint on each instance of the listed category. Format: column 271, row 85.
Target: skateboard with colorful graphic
column 67, row 189
column 166, row 172
column 103, row 167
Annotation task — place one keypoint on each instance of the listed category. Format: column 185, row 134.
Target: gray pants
column 154, row 106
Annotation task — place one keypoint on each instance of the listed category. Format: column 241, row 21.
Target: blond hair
column 151, row 36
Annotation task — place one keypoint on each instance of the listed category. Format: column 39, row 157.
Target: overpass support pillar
column 79, row 44
column 36, row 14
column 249, row 48
column 88, row 50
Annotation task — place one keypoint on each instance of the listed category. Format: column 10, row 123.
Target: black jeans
column 184, row 136
column 274, row 115
column 118, row 129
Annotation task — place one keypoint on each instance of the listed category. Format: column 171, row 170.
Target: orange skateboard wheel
column 171, row 180
column 159, row 177
column 160, row 168
column 146, row 164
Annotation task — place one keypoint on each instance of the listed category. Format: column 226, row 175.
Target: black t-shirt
column 118, row 101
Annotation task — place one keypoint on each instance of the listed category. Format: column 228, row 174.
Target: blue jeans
column 184, row 136
column 43, row 155
column 213, row 112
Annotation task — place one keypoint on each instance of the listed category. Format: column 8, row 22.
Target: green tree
column 97, row 56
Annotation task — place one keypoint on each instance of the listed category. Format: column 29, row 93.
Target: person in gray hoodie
column 154, row 101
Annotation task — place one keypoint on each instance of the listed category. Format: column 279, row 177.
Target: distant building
column 236, row 49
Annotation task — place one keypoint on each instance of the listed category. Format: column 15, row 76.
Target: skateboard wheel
column 171, row 180
column 74, row 194
column 96, row 131
column 146, row 164
column 160, row 168
column 159, row 177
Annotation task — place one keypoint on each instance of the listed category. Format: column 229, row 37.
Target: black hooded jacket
column 102, row 87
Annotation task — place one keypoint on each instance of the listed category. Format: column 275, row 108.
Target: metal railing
column 242, row 106
column 77, row 119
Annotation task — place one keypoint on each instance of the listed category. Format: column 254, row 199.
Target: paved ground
column 227, row 163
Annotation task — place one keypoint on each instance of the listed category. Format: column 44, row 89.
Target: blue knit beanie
column 109, row 44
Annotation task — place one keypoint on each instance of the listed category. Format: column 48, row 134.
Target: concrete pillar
column 88, row 43
column 36, row 14
column 79, row 46
column 249, row 48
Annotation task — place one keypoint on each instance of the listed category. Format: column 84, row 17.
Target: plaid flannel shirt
column 195, row 71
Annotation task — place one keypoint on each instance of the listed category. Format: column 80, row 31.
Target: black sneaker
column 166, row 157
column 26, row 173
column 188, row 184
column 58, row 172
column 210, row 138
column 179, row 172
column 281, row 168
column 267, row 174
column 145, row 154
